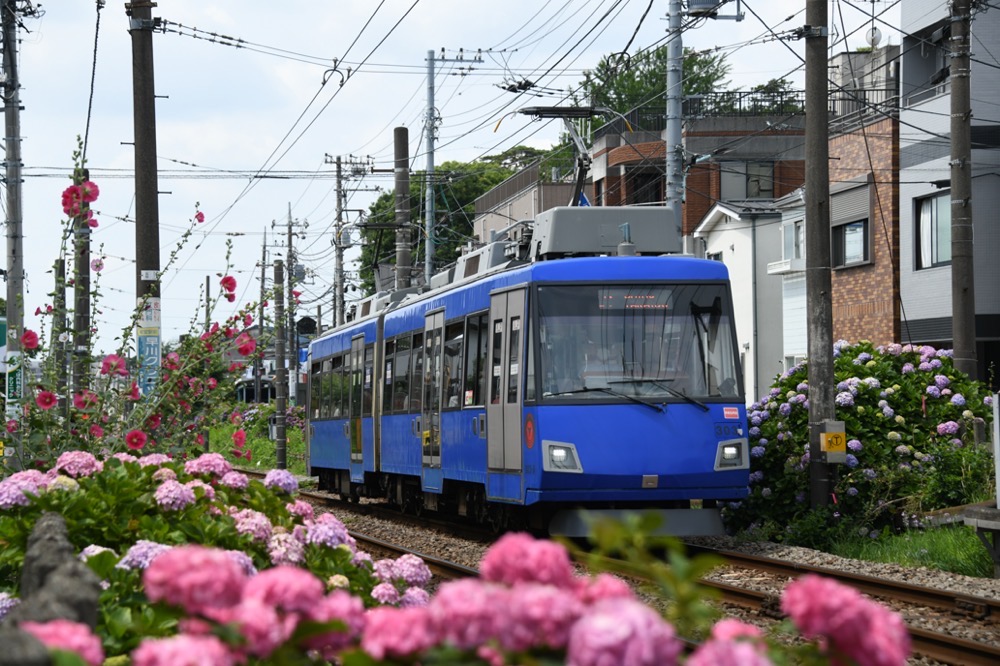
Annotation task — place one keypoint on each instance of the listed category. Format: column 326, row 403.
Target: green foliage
column 954, row 548
column 911, row 419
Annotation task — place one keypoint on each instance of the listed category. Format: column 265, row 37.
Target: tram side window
column 355, row 370
column 330, row 406
column 529, row 365
column 337, row 392
column 390, row 348
column 476, row 341
column 416, row 372
column 369, row 381
column 401, row 376
column 315, row 387
column 514, row 359
column 323, row 390
column 496, row 359
column 453, row 365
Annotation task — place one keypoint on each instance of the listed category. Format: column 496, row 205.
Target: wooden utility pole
column 822, row 409
column 280, row 374
column 147, row 215
column 963, row 295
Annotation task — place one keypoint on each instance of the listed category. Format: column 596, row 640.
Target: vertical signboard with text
column 148, row 344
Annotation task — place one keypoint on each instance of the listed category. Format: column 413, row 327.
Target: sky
column 246, row 134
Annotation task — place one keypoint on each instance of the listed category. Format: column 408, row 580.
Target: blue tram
column 555, row 371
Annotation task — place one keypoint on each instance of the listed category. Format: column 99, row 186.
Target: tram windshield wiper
column 609, row 391
column 660, row 383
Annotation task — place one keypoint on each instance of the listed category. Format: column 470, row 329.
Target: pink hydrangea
column 521, row 558
column 284, row 548
column 341, row 607
column 622, row 631
column 263, row 628
column 78, row 463
column 164, row 474
column 865, row 631
column 208, row 463
column 411, row 570
column 287, row 588
column 731, row 629
column 386, row 594
column 66, row 635
column 195, row 578
column 173, row 495
column 328, row 531
column 254, row 523
column 602, row 586
column 300, row 508
column 469, row 612
column 728, row 653
column 281, row 479
column 182, row 650
column 154, row 459
column 540, row 616
column 414, row 597
column 397, row 632
column 235, row 480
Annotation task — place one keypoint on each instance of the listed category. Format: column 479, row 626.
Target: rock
column 22, row 649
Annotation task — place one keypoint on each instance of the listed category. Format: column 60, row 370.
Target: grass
column 955, row 548
column 263, row 454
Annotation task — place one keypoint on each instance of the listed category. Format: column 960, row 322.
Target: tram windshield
column 653, row 342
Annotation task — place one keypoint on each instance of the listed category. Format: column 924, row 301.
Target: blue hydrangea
column 757, row 452
column 755, row 431
column 785, row 409
column 870, row 474
column 852, row 492
column 141, row 554
column 852, row 461
column 756, row 477
column 933, row 391
column 958, row 400
column 281, row 479
column 765, row 492
column 844, row 399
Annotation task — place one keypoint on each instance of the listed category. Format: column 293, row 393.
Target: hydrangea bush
column 910, row 419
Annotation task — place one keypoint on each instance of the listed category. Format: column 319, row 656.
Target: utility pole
column 674, row 193
column 293, row 333
column 15, row 252
column 59, row 333
column 338, row 276
column 280, row 376
column 81, row 291
column 430, row 129
column 258, row 363
column 963, row 295
column 147, row 215
column 822, row 409
column 401, row 149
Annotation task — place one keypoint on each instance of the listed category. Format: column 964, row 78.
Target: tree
column 457, row 186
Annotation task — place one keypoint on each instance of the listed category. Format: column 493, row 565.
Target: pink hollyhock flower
column 622, row 631
column 211, row 382
column 12, row 425
column 72, row 200
column 96, row 431
column 245, row 344
column 172, row 361
column 230, row 296
column 113, row 364
column 240, row 438
column 287, row 588
column 199, row 439
column 228, row 283
column 85, row 399
column 46, row 399
column 864, row 630
column 97, row 265
column 89, row 191
column 29, row 339
column 182, row 650
column 93, row 223
column 133, row 392
column 195, row 578
column 397, row 632
column 520, row 558
column 70, row 636
column 135, row 440
column 247, row 320
column 199, row 217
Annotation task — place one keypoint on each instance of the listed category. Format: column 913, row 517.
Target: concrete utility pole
column 12, row 173
column 338, row 276
column 818, row 279
column 147, row 212
column 401, row 149
column 280, row 375
column 963, row 295
column 258, row 363
column 293, row 329
column 674, row 191
column 81, row 292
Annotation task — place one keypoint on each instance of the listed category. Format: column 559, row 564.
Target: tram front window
column 657, row 342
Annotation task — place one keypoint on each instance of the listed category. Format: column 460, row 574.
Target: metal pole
column 674, row 193
column 963, row 296
column 280, row 375
column 430, row 131
column 401, row 149
column 818, row 279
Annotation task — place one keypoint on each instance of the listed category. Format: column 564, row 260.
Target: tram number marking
column 728, row 430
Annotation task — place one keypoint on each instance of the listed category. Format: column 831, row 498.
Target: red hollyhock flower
column 240, row 438
column 96, row 431
column 153, row 422
column 228, row 283
column 11, row 425
column 199, row 217
column 29, row 339
column 46, row 399
column 84, row 400
column 245, row 344
column 113, row 364
column 133, row 393
column 89, row 191
column 135, row 439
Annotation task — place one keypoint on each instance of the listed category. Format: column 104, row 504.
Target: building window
column 850, row 243
column 747, row 180
column 714, row 256
column 933, row 231
column 794, row 241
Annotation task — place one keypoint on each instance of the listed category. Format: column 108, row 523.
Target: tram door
column 430, row 410
column 354, row 424
column 503, row 410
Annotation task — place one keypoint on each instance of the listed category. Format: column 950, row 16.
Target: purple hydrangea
column 854, row 445
column 852, row 460
column 412, row 570
column 7, row 603
column 958, row 400
column 328, row 532
column 281, row 479
column 988, row 401
column 756, row 476
column 765, row 492
column 871, row 382
column 757, row 452
column 925, row 367
column 907, row 368
column 894, row 349
column 755, row 431
column 92, row 550
column 852, row 492
column 844, row 399
column 947, row 428
column 903, row 450
column 785, row 409
column 933, row 391
column 888, row 412
column 935, row 363
column 414, row 597
column 941, row 381
column 870, row 474
column 141, row 554
column 16, row 488
column 862, row 358
column 800, row 497
column 244, row 561
column 78, row 463
column 174, row 495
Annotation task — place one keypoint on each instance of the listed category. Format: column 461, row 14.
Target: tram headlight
column 561, row 457
column 732, row 454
